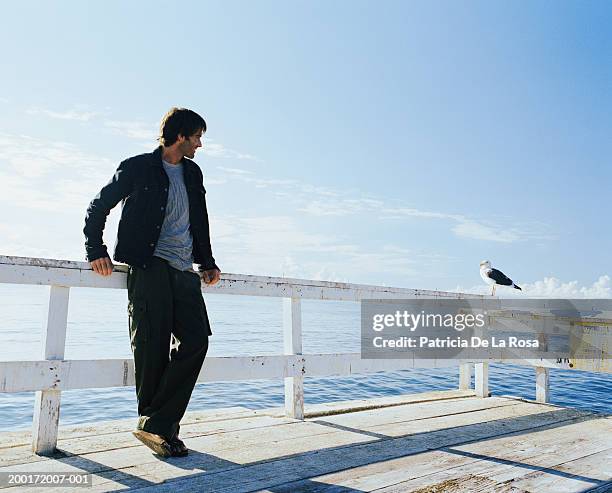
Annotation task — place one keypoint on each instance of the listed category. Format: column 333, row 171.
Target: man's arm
column 115, row 190
column 209, row 271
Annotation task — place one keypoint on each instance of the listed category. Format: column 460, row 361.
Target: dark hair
column 179, row 121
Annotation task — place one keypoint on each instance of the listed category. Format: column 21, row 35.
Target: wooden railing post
column 47, row 404
column 542, row 374
column 481, row 374
column 292, row 339
column 542, row 384
column 465, row 376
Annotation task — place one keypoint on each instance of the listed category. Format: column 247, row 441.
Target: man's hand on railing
column 103, row 266
column 211, row 276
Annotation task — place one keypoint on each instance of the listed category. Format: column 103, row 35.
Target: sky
column 391, row 143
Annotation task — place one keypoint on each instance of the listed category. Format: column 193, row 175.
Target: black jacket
column 142, row 184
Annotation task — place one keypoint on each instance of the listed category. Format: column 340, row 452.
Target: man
column 163, row 231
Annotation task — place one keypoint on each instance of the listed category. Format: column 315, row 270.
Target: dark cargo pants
column 165, row 301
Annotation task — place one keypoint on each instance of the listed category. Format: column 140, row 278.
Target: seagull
column 495, row 277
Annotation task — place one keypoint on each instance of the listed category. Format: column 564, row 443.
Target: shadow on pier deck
column 448, row 441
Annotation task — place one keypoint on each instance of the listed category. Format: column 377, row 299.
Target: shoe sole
column 154, row 442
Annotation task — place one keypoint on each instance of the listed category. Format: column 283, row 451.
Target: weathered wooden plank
column 28, row 376
column 100, row 442
column 465, row 376
column 471, row 471
column 313, row 447
column 342, row 407
column 542, row 384
column 285, row 447
column 362, row 420
column 292, row 345
column 372, row 476
column 421, row 417
column 25, row 270
column 495, row 464
column 396, row 474
column 47, row 402
column 512, row 457
column 331, row 364
column 296, row 467
column 124, row 440
column 570, row 473
column 15, row 438
column 481, row 372
column 82, row 277
column 414, row 465
column 11, row 439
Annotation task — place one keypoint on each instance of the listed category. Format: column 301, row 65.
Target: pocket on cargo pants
column 138, row 321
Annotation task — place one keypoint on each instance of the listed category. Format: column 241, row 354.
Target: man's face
column 190, row 145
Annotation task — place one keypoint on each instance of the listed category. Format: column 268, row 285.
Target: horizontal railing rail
column 24, row 270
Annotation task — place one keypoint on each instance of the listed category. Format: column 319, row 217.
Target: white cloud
column 549, row 287
column 399, row 212
column 318, row 190
column 27, row 247
column 342, row 207
column 137, row 130
column 324, row 202
column 265, row 183
column 49, row 176
column 461, row 225
column 478, row 231
column 235, row 171
column 52, row 195
column 21, row 192
column 35, row 158
column 74, row 114
column 265, row 234
column 279, row 246
column 13, row 232
column 214, row 149
column 4, row 100
column 246, row 176
column 214, row 181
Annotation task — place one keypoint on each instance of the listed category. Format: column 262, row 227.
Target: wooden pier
column 448, row 441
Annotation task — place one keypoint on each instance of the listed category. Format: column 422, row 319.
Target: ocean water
column 242, row 326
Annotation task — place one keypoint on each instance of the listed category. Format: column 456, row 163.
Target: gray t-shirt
column 175, row 240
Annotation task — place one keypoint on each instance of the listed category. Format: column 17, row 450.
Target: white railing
column 52, row 374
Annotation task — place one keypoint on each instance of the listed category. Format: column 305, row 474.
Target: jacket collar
column 157, row 157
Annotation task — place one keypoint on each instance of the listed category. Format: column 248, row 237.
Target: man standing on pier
column 163, row 231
